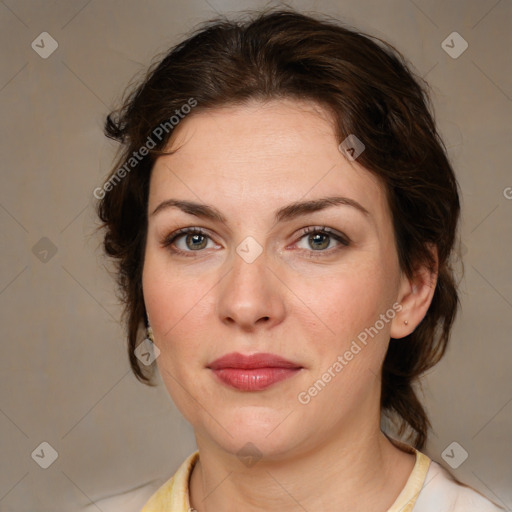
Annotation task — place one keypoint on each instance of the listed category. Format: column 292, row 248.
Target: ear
column 415, row 296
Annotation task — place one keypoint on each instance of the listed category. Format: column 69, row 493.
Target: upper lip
column 261, row 360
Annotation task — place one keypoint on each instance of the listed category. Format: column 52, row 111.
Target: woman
column 283, row 216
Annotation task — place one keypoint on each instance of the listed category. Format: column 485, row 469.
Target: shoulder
column 174, row 494
column 131, row 500
column 152, row 497
column 441, row 493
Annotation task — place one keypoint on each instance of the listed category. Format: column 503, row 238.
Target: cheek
column 168, row 295
column 177, row 307
column 346, row 349
column 341, row 303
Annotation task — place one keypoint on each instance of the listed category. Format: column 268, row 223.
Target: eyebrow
column 286, row 213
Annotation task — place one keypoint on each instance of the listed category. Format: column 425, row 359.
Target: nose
column 251, row 296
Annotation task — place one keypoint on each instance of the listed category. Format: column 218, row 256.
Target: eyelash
column 339, row 237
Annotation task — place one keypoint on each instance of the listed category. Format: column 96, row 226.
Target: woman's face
column 256, row 281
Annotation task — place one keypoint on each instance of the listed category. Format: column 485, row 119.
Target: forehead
column 278, row 129
column 261, row 155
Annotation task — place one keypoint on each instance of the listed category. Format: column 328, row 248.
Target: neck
column 366, row 472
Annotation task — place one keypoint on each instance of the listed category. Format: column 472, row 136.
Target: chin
column 266, row 432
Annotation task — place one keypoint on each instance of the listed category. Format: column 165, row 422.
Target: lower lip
column 256, row 379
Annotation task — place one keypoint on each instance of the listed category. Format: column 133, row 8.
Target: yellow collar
column 173, row 495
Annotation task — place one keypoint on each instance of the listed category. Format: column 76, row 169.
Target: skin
column 293, row 300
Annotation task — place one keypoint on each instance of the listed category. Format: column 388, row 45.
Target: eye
column 187, row 240
column 322, row 240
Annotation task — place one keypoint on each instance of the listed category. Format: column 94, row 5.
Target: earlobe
column 415, row 296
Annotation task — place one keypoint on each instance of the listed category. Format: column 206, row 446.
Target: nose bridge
column 249, row 275
column 250, row 291
column 249, row 269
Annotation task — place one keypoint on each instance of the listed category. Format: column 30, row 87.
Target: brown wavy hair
column 369, row 89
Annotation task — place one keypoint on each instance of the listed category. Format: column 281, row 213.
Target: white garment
column 440, row 493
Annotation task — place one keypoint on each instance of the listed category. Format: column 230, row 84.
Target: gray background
column 64, row 373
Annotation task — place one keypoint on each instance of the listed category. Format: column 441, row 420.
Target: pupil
column 318, row 238
column 194, row 239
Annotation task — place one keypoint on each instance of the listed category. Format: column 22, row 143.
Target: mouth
column 253, row 372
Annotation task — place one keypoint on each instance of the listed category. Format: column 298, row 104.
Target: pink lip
column 253, row 372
